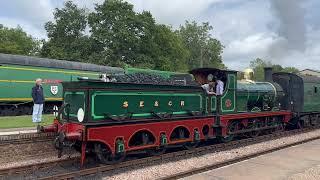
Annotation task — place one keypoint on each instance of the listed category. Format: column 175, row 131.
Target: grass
column 23, row 121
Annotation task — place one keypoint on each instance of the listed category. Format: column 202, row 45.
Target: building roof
column 310, row 70
column 54, row 63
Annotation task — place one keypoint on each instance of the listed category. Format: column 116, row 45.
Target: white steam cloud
column 291, row 29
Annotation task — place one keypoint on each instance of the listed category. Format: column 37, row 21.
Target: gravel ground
column 30, row 153
column 169, row 168
column 44, row 171
column 22, row 152
column 310, row 174
column 31, row 161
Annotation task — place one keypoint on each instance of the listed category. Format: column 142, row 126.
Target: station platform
column 14, row 131
column 294, row 163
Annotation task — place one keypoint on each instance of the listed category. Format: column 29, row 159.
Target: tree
column 258, row 66
column 205, row 51
column 119, row 36
column 125, row 37
column 168, row 52
column 119, row 31
column 290, row 70
column 16, row 41
column 67, row 39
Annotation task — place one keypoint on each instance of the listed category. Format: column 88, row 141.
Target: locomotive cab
column 201, row 75
column 225, row 103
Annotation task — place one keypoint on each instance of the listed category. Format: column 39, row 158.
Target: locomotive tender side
column 124, row 101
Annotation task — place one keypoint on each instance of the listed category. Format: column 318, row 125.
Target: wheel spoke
column 105, row 156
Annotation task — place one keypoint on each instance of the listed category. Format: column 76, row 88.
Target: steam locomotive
column 112, row 120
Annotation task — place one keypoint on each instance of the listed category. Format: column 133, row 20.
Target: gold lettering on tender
column 170, row 103
column 141, row 103
column 181, row 103
column 156, row 103
column 125, row 104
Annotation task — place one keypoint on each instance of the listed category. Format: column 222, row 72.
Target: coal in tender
column 144, row 78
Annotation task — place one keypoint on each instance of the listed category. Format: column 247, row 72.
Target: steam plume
column 291, row 29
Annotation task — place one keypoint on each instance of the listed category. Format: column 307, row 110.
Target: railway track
column 25, row 169
column 231, row 161
column 25, row 138
column 174, row 156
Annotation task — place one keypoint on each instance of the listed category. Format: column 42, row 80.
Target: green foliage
column 119, row 31
column 125, row 37
column 16, row 41
column 290, row 70
column 205, row 51
column 170, row 54
column 258, row 67
column 67, row 39
column 119, row 36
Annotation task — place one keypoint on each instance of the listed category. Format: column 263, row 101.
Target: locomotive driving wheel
column 105, row 155
column 280, row 127
column 256, row 125
column 232, row 128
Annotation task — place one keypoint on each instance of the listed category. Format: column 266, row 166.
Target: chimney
column 268, row 74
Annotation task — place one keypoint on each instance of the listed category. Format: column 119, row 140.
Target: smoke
column 291, row 29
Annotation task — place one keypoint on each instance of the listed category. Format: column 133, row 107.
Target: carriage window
column 315, row 89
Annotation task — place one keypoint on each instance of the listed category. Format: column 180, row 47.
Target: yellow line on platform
column 28, row 99
column 16, row 81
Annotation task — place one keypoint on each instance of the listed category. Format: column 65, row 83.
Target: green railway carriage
column 301, row 93
column 16, row 81
column 311, row 93
column 18, row 73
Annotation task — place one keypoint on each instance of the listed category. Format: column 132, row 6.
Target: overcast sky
column 286, row 32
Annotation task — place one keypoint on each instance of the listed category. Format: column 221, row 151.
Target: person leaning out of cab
column 214, row 86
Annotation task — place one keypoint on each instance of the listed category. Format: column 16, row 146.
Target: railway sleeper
column 255, row 129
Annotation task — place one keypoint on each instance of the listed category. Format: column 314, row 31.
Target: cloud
column 247, row 28
column 239, row 52
column 240, row 20
column 29, row 14
column 34, row 11
column 310, row 57
column 290, row 27
column 34, row 31
column 90, row 5
column 174, row 12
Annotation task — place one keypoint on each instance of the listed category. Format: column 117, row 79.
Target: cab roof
column 208, row 70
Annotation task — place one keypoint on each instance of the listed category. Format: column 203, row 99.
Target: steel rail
column 25, row 138
column 173, row 156
column 231, row 161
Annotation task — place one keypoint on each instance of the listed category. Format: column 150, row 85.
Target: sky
column 285, row 32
